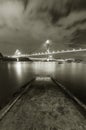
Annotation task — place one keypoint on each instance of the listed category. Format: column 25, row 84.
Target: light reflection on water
column 44, row 68
column 73, row 76
column 15, row 74
column 18, row 69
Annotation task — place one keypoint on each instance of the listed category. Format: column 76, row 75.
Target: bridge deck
column 44, row 107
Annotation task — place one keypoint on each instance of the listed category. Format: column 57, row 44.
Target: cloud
column 10, row 13
column 58, row 20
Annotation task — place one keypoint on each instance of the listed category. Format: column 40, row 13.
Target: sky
column 27, row 24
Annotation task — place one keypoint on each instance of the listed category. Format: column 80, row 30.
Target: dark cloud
column 25, row 2
column 78, row 5
column 79, row 22
column 79, row 37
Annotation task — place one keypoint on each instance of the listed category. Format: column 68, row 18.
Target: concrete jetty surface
column 44, row 107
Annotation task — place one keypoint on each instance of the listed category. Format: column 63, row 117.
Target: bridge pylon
column 47, row 45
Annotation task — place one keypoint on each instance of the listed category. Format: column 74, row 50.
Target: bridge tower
column 17, row 54
column 47, row 45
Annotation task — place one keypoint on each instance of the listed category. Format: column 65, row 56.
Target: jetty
column 43, row 105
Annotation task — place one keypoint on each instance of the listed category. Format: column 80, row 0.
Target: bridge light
column 73, row 49
column 53, row 52
column 48, row 41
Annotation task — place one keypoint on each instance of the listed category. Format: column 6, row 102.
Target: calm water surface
column 15, row 74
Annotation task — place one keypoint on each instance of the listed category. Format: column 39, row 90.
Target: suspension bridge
column 47, row 53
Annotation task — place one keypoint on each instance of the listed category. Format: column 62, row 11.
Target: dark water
column 15, row 74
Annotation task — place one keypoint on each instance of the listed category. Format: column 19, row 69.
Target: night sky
column 26, row 24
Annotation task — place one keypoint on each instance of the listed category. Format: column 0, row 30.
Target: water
column 15, row 74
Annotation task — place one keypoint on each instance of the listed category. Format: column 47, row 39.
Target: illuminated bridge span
column 58, row 52
column 18, row 53
column 47, row 53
